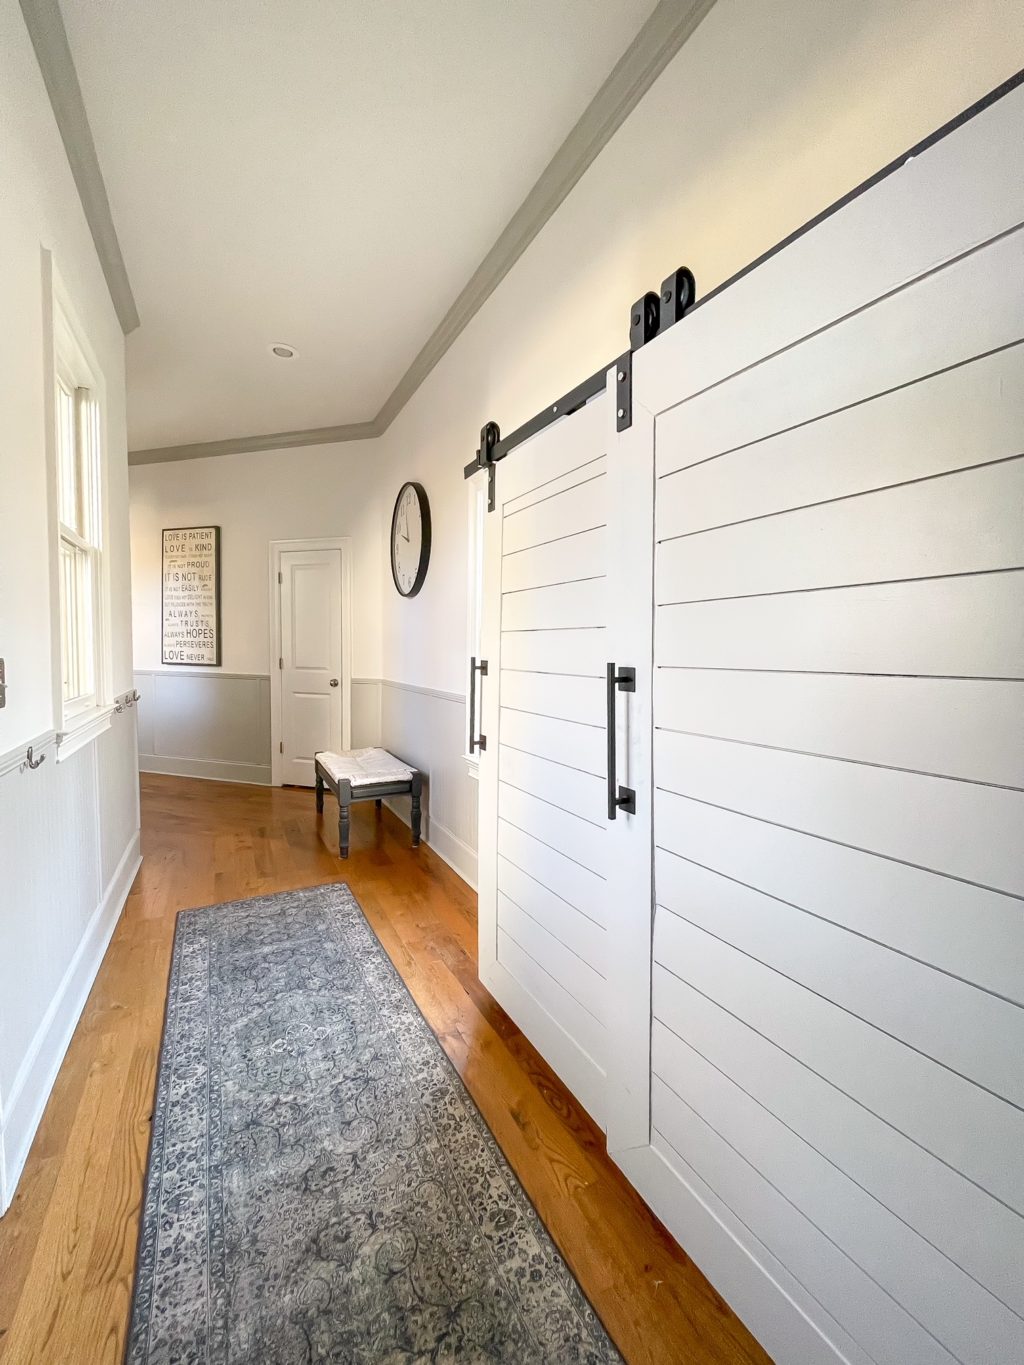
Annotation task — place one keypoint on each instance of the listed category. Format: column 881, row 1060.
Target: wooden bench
column 366, row 775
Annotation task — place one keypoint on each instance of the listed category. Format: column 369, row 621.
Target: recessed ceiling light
column 282, row 350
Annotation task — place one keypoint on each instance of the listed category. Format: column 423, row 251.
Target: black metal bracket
column 624, row 391
column 678, row 292
column 644, row 320
column 486, row 458
column 648, row 318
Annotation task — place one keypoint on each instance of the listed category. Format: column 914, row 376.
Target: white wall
column 68, row 831
column 329, row 490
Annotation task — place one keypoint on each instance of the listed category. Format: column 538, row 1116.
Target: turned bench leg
column 417, row 787
column 344, row 806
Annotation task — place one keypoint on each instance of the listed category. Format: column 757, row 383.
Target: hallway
column 67, row 1246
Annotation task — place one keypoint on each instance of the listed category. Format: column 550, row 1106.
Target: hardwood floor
column 67, row 1245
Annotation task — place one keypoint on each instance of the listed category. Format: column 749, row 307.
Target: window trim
column 73, row 362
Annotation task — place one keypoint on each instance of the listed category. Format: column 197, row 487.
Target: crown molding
column 50, row 42
column 249, row 445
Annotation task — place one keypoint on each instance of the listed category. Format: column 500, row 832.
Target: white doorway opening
column 311, row 654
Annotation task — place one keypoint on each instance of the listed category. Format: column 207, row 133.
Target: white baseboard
column 30, row 1091
column 448, row 846
column 255, row 774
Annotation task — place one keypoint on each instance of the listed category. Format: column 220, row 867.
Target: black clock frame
column 421, row 572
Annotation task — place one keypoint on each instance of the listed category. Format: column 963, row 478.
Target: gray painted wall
column 197, row 724
column 217, row 725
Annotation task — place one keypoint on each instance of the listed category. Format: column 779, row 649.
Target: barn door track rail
column 648, row 318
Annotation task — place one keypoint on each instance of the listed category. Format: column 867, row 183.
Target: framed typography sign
column 190, row 596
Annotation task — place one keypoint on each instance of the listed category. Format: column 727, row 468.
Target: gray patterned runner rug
column 320, row 1185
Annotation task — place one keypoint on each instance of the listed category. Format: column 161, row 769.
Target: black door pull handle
column 476, row 666
column 619, row 798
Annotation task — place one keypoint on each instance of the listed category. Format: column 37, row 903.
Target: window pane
column 76, row 622
column 88, row 462
column 67, row 458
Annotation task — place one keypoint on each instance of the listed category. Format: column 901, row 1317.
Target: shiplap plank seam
column 898, row 289
column 841, row 497
column 561, row 852
column 844, row 407
column 841, row 587
column 838, row 758
column 517, row 511
column 836, row 924
column 834, row 673
column 971, row 1080
column 553, row 804
column 843, row 843
column 555, row 540
column 544, row 716
column 547, row 929
column 575, row 908
column 561, row 583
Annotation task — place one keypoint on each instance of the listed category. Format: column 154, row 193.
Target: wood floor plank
column 67, row 1245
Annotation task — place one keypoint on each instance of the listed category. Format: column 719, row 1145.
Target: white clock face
column 407, row 540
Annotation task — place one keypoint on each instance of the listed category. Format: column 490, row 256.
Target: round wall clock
column 410, row 539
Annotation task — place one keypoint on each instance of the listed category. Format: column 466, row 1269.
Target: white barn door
column 547, row 845
column 834, row 1024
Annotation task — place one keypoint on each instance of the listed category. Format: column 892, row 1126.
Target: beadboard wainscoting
column 69, row 848
column 428, row 728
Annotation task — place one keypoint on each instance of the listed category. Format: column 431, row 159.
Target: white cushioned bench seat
column 364, row 767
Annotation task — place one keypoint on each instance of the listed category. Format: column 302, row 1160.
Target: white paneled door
column 310, row 660
column 547, row 843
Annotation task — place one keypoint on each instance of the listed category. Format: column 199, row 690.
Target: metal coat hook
column 31, row 761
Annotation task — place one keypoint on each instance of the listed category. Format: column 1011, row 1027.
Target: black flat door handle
column 622, row 680
column 476, row 666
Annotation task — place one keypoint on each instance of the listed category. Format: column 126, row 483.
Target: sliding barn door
column 835, row 1019
column 553, row 578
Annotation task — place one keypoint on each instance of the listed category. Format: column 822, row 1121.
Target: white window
column 477, row 512
column 78, row 466
column 79, row 529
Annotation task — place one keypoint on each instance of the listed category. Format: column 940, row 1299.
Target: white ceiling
column 326, row 173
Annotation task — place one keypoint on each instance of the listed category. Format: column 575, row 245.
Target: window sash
column 77, row 623
column 79, row 525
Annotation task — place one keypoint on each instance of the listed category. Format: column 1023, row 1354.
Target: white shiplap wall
column 837, row 1047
